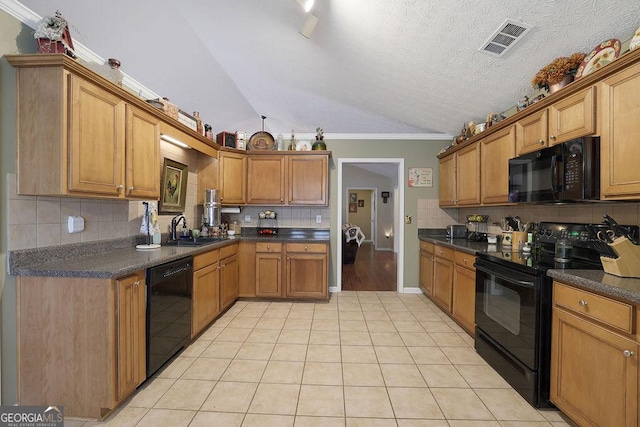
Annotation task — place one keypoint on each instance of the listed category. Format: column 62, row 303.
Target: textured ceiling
column 371, row 66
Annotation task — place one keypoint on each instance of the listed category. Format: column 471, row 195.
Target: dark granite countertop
column 595, row 280
column 119, row 257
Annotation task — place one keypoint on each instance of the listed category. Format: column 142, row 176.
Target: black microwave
column 567, row 172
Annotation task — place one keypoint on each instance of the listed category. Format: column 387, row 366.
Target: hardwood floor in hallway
column 372, row 271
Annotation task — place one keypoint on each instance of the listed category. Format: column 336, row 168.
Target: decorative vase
column 557, row 86
column 319, row 145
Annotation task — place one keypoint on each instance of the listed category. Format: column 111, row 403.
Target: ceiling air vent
column 505, row 37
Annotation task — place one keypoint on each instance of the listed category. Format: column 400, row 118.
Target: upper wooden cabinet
column 532, row 132
column 232, row 172
column 78, row 136
column 618, row 111
column 496, row 150
column 447, row 181
column 573, row 116
column 287, row 179
column 460, row 177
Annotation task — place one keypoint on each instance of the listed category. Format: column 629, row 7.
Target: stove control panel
column 582, row 235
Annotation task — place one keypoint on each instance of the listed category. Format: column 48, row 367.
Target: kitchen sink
column 198, row 241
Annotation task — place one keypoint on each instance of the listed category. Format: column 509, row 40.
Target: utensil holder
column 628, row 262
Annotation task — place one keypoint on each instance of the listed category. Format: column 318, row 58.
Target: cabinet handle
column 305, row 248
column 553, row 137
column 289, row 198
column 120, row 188
column 465, row 260
column 137, row 283
column 278, row 259
column 281, row 200
column 541, row 142
column 627, row 353
column 268, row 248
column 583, row 303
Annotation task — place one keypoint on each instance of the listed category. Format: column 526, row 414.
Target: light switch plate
column 318, row 219
column 75, row 224
column 407, row 219
column 247, row 218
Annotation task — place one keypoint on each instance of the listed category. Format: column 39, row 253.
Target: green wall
column 415, row 154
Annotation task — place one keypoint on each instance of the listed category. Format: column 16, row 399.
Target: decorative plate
column 261, row 141
column 635, row 41
column 303, row 145
column 602, row 55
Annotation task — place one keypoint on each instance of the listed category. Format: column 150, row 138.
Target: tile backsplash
column 431, row 216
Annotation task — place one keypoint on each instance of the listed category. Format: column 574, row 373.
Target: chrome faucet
column 174, row 225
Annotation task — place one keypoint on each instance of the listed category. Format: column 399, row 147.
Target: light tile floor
column 363, row 359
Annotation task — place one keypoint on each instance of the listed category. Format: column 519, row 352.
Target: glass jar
column 564, row 250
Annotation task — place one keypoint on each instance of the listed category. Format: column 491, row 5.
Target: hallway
column 372, row 271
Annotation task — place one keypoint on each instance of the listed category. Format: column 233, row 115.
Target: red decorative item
column 50, row 46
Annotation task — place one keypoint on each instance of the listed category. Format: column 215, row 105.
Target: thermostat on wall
column 75, row 224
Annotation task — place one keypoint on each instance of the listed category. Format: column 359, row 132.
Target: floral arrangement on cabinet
column 557, row 70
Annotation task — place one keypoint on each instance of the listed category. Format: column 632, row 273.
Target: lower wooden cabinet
column 443, row 277
column 228, row 276
column 269, row 270
column 81, row 342
column 594, row 363
column 463, row 306
column 206, row 291
column 426, row 267
column 247, row 274
column 307, row 270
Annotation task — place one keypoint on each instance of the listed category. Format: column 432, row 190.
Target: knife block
column 628, row 262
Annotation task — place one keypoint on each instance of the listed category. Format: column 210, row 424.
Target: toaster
column 456, row 231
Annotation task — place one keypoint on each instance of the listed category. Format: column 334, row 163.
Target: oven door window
column 506, row 310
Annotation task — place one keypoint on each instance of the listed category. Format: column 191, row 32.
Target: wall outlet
column 75, row 224
column 407, row 219
column 247, row 218
column 318, row 219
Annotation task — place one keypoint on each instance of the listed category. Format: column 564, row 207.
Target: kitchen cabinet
column 232, row 172
column 594, row 358
column 307, row 270
column 618, row 112
column 228, row 276
column 443, row 277
column 247, row 274
column 103, row 318
column 131, row 357
column 460, row 177
column 463, row 306
column 426, row 267
column 78, row 137
column 573, row 116
column 269, row 283
column 288, row 179
column 206, row 290
column 532, row 132
column 447, row 181
column 496, row 150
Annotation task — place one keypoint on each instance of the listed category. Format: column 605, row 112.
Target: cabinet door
column 247, row 274
column 468, row 175
column 232, row 171
column 206, row 297
column 426, row 273
column 266, row 179
column 308, row 180
column 269, row 275
column 496, row 151
column 142, row 159
column 228, row 281
column 442, row 282
column 131, row 315
column 573, row 117
column 447, row 181
column 619, row 110
column 96, row 140
column 594, row 372
column 463, row 306
column 307, row 275
column 531, row 132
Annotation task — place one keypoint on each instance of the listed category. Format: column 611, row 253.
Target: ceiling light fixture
column 308, row 25
column 308, row 5
column 173, row 140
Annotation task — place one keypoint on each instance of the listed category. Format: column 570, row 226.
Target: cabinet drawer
column 442, row 252
column 427, row 246
column 205, row 259
column 616, row 314
column 228, row 251
column 318, row 248
column 465, row 260
column 269, row 247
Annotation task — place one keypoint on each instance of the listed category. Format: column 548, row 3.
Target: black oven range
column 513, row 302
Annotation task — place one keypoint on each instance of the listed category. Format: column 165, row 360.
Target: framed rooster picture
column 173, row 190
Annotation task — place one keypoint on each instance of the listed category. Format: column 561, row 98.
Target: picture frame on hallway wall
column 353, row 197
column 173, row 190
column 353, row 207
column 361, row 203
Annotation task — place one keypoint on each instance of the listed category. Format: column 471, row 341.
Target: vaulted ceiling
column 370, row 66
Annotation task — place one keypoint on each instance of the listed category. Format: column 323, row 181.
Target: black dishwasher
column 169, row 292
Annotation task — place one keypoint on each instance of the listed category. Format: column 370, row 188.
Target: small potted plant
column 560, row 72
column 319, row 144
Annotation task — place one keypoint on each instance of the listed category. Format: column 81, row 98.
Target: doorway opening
column 384, row 251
